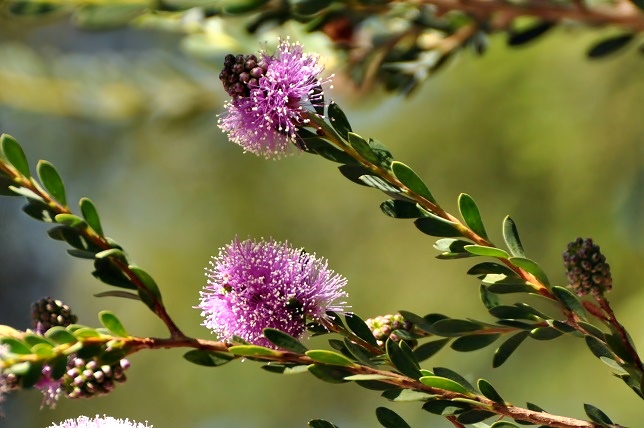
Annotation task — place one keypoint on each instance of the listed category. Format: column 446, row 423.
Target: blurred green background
column 129, row 118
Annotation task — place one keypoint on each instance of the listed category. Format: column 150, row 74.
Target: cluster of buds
column 586, row 268
column 87, row 379
column 391, row 327
column 241, row 73
column 47, row 313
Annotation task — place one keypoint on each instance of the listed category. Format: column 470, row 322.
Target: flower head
column 254, row 285
column 586, row 268
column 99, row 422
column 270, row 97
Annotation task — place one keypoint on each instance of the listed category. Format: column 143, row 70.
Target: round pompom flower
column 99, row 422
column 270, row 97
column 255, row 285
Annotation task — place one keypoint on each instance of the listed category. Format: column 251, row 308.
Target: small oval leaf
column 444, row 383
column 284, row 340
column 14, row 154
column 507, row 348
column 90, row 214
column 471, row 215
column 329, row 357
column 112, row 323
column 390, row 419
column 52, row 182
column 479, row 250
column 411, row 180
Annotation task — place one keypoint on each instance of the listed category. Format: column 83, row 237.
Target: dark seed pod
column 586, row 268
column 47, row 313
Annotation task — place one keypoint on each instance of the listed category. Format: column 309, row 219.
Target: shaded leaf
column 109, row 273
column 284, row 340
column 474, row 342
column 404, row 361
column 508, row 347
column 205, row 358
column 401, row 209
column 521, row 37
column 428, row 349
column 609, row 46
column 320, row 423
column 598, row 348
column 474, row 416
column 489, row 299
column 452, row 375
column 390, row 419
column 597, row 415
column 411, row 180
column 570, row 301
column 81, row 254
column 452, row 248
column 454, row 327
column 471, row 215
column 504, row 424
column 489, row 392
column 360, row 328
column 328, row 374
column 118, row 293
column 149, row 292
column 436, row 226
column 532, row 267
column 445, row 407
column 511, row 237
column 485, row 268
column 40, row 211
column 339, row 120
column 406, row 395
column 545, row 333
column 361, row 146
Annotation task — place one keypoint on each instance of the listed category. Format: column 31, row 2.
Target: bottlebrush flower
column 254, row 285
column 99, row 422
column 270, row 97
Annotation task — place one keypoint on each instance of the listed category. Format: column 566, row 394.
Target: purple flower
column 270, row 98
column 99, row 422
column 254, row 285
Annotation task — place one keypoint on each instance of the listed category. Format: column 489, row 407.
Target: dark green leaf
column 205, row 358
column 486, row 268
column 597, row 415
column 521, row 37
column 516, row 324
column 428, row 349
column 31, row 376
column 106, row 271
column 411, row 180
column 385, row 158
column 328, row 357
column 504, row 424
column 375, row 385
column 474, row 416
column 452, row 375
column 355, row 173
column 489, row 392
column 401, row 209
column 149, row 292
column 361, row 146
column 452, row 248
column 508, row 347
column 335, row 155
column 5, row 182
column 479, row 250
column 534, row 407
column 14, row 154
column 511, row 286
column 436, row 226
column 284, row 341
column 445, row 407
column 358, row 352
column 545, row 333
column 51, row 181
column 614, row 341
column 598, row 348
column 328, row 374
column 40, row 211
column 592, row 330
column 511, row 237
column 561, row 326
column 489, row 299
column 378, row 183
column 390, row 419
column 474, row 342
column 112, row 323
column 609, row 46
column 320, row 423
column 570, row 301
column 339, row 120
column 512, row 312
column 30, row 9
column 443, row 383
column 285, row 368
column 58, row 366
column 471, row 215
column 81, row 254
column 418, row 321
column 90, row 214
column 118, row 293
column 532, row 267
column 360, row 328
column 454, row 327
column 404, row 361
column 253, row 351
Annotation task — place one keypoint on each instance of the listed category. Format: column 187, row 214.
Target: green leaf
column 58, row 366
column 445, row 407
column 112, row 323
column 471, row 215
column 401, row 209
column 81, row 254
column 253, row 351
column 358, row 352
column 598, row 348
column 14, row 154
column 511, row 237
column 504, row 424
column 105, row 270
column 284, row 340
column 436, row 226
column 570, row 301
column 390, row 419
column 485, row 268
column 32, row 339
column 452, row 248
column 328, row 374
column 609, row 46
column 532, row 267
column 40, row 211
column 71, row 220
column 151, row 295
column 5, row 186
column 411, row 180
column 286, row 369
column 489, row 392
column 362, row 147
column 15, row 346
column 29, row 194
column 513, row 312
column 201, row 357
column 31, row 376
column 474, row 342
column 339, row 120
column 86, row 333
column 489, row 299
column 360, row 328
column 428, row 349
column 454, row 327
column 90, row 214
column 592, row 330
column 106, row 16
column 384, row 156
column 320, row 423
column 329, row 357
column 52, row 182
column 402, row 359
column 444, row 383
column 422, row 323
column 545, row 333
column 60, row 335
column 118, row 293
column 335, row 155
column 597, row 415
column 506, row 349
column 479, row 250
column 378, row 183
column 474, row 416
column 521, row 37
column 452, row 375
column 407, row 395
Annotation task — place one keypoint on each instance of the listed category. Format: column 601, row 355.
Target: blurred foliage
column 538, row 133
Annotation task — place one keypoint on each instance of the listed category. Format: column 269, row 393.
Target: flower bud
column 586, row 268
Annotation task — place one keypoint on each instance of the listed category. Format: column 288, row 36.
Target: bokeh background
column 129, row 117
